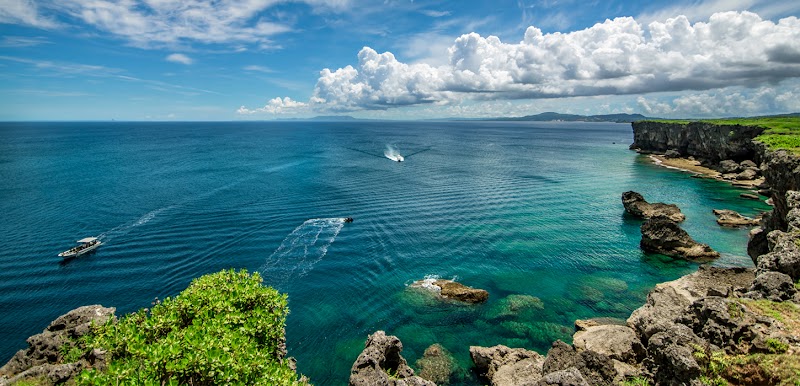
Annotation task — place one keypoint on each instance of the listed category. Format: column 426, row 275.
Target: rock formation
column 729, row 218
column 705, row 141
column 449, row 289
column 504, row 366
column 44, row 356
column 380, row 364
column 667, row 238
column 636, row 205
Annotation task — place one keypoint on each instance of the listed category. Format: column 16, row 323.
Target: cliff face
column 705, row 141
column 714, row 143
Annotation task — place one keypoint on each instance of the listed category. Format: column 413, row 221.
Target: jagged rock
column 749, row 196
column 636, row 205
column 381, row 356
column 504, row 366
column 44, row 349
column 566, row 377
column 670, row 356
column 584, row 324
column 773, row 286
column 436, row 364
column 710, row 142
column 728, row 166
column 667, row 238
column 747, row 175
column 449, row 289
column 729, row 218
column 616, row 342
column 596, row 368
column 784, row 255
column 747, row 164
column 666, row 303
column 672, row 153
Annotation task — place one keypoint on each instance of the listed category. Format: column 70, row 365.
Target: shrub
column 225, row 328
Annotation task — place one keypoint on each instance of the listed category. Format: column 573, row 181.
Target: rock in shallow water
column 667, row 238
column 380, row 364
column 729, row 218
column 636, row 205
column 450, row 289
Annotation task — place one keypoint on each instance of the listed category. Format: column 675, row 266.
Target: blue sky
column 271, row 59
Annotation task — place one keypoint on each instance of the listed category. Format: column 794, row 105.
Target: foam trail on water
column 301, row 250
column 392, row 154
column 125, row 228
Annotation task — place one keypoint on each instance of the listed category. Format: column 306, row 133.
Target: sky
column 395, row 59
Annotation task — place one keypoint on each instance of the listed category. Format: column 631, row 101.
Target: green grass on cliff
column 224, row 329
column 781, row 132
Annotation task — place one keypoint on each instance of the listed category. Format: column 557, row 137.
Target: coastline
column 693, row 166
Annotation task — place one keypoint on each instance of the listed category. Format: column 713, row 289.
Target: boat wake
column 125, row 228
column 392, row 154
column 301, row 250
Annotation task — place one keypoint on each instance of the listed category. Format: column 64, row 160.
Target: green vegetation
column 636, row 381
column 781, row 132
column 776, row 346
column 224, row 329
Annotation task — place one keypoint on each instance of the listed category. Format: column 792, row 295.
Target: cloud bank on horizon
column 617, row 57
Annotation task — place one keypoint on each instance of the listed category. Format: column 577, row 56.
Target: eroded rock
column 636, row 205
column 729, row 218
column 504, row 366
column 773, row 286
column 449, row 289
column 616, row 342
column 436, row 364
column 380, row 358
column 667, row 238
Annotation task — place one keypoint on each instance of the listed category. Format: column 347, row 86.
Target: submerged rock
column 636, row 205
column 667, row 238
column 380, row 364
column 516, row 304
column 436, row 364
column 450, row 289
column 750, row 196
column 729, row 218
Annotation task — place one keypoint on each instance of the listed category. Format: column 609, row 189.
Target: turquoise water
column 514, row 208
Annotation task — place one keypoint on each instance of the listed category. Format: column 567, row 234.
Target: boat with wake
column 85, row 245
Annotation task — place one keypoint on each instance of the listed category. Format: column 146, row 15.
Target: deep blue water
column 514, row 208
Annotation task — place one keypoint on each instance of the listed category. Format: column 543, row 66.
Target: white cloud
column 616, row 57
column 166, row 23
column 727, row 102
column 278, row 106
column 23, row 41
column 24, row 12
column 433, row 13
column 179, row 58
column 257, row 68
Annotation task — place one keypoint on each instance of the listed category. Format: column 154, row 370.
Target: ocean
column 531, row 212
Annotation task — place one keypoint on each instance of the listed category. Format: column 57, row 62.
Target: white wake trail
column 392, row 154
column 301, row 250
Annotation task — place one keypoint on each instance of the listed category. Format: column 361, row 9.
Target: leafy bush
column 224, row 329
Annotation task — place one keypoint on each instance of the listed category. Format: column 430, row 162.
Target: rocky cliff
column 709, row 142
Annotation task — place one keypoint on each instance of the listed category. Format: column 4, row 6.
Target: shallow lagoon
column 522, row 210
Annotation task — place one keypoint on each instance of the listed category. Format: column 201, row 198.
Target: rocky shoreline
column 714, row 326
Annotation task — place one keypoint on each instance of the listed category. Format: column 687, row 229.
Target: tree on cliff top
column 224, row 329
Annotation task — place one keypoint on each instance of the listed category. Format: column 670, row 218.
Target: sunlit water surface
column 514, row 208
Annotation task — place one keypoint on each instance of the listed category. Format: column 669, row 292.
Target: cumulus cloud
column 277, row 106
column 617, row 57
column 179, row 58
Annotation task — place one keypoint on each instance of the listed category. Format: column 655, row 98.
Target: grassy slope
column 781, row 133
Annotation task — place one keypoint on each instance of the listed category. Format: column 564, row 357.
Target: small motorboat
column 85, row 245
column 348, row 219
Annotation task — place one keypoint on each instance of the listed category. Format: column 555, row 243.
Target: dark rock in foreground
column 380, row 364
column 43, row 357
column 636, row 205
column 729, row 218
column 667, row 238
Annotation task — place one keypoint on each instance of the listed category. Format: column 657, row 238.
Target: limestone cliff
column 706, row 141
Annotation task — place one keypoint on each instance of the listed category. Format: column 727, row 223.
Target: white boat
column 85, row 245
